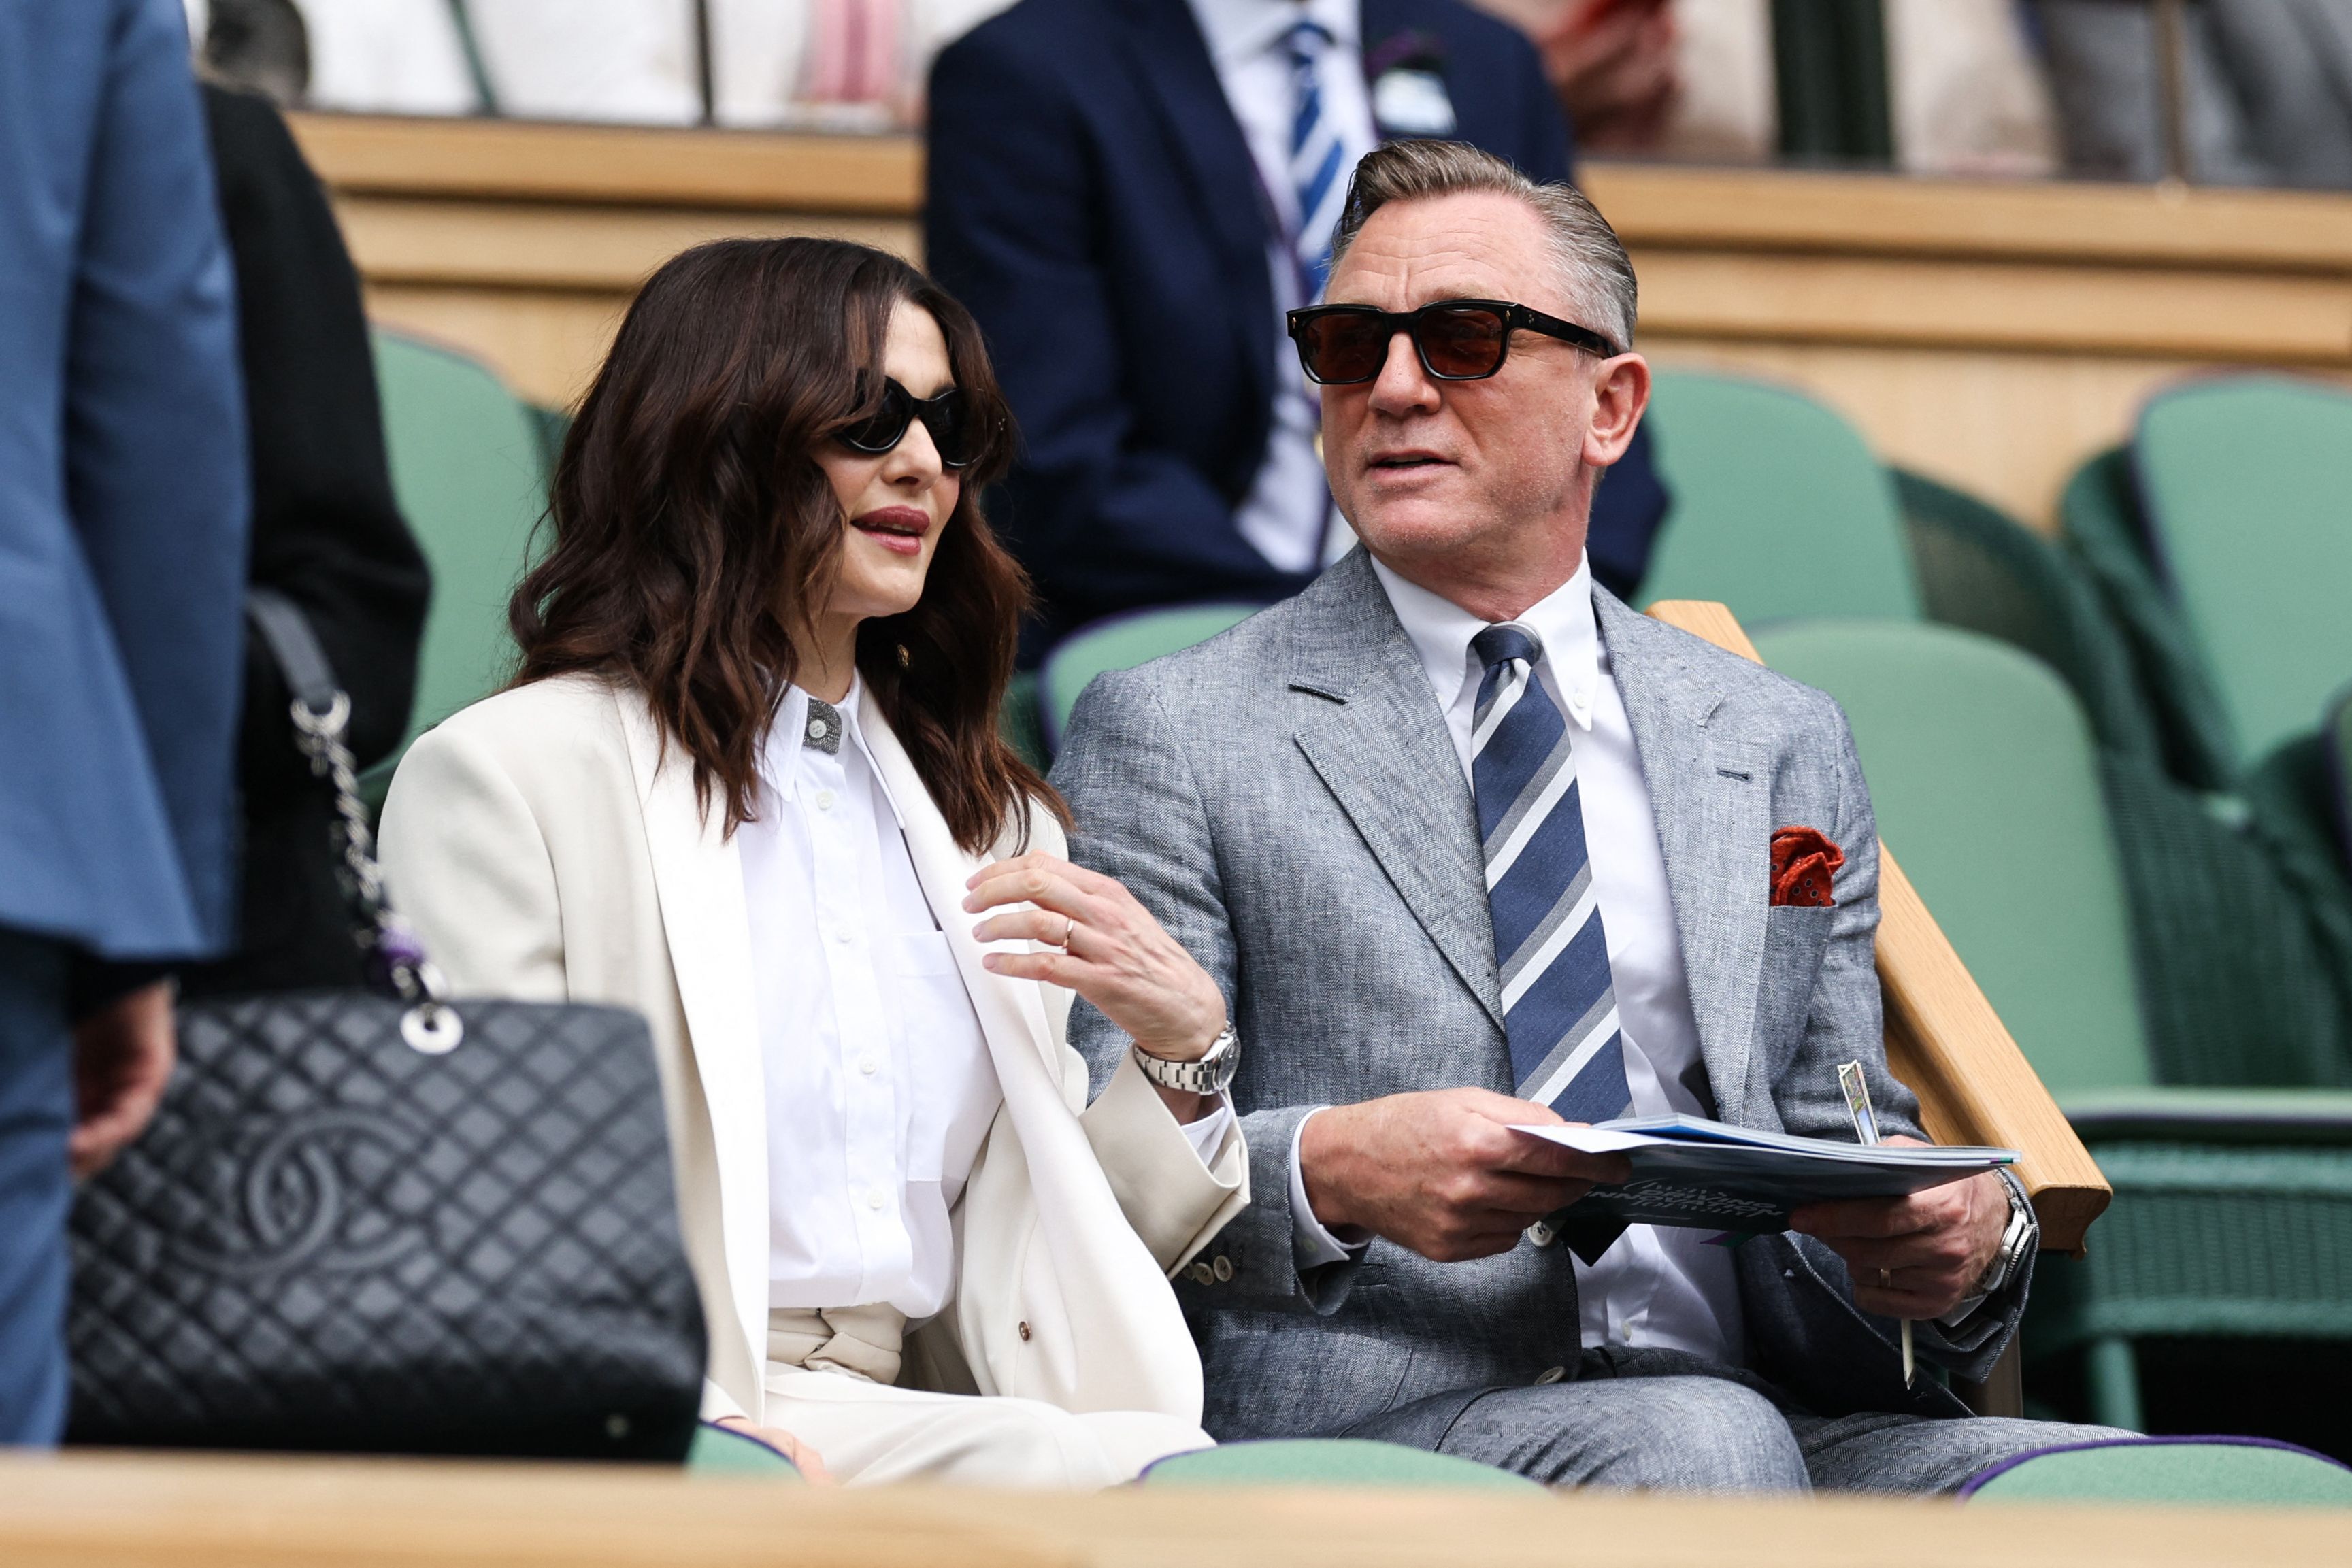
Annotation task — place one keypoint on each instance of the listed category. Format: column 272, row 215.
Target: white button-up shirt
column 879, row 1086
column 1662, row 1286
column 1287, row 513
column 881, row 1090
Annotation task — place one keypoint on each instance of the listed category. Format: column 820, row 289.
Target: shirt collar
column 788, row 740
column 1441, row 632
column 1241, row 30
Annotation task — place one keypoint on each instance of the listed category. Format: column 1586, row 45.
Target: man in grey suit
column 1469, row 843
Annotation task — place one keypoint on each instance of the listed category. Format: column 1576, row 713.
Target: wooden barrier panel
column 96, row 1511
column 1991, row 334
column 1943, row 1039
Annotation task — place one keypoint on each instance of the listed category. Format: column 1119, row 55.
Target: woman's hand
column 803, row 1458
column 1111, row 952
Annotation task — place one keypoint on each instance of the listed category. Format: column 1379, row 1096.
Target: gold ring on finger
column 1886, row 1279
column 1068, row 930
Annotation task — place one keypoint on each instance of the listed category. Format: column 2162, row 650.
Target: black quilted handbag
column 389, row 1223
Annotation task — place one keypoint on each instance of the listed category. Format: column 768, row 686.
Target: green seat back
column 467, row 467
column 717, row 1451
column 1778, row 508
column 2335, row 740
column 2248, row 485
column 2248, row 1472
column 1328, row 1462
column 1121, row 643
column 1983, row 771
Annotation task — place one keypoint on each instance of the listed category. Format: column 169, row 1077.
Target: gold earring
column 902, row 655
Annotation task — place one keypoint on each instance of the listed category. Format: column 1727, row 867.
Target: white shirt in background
column 1657, row 1286
column 1287, row 514
column 881, row 1090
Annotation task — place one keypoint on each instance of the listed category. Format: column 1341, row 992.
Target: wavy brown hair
column 692, row 521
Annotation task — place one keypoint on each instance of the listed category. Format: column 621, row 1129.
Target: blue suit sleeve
column 155, row 438
column 1012, row 229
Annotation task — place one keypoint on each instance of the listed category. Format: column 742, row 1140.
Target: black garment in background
column 326, row 533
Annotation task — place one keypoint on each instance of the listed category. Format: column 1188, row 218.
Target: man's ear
column 1621, row 390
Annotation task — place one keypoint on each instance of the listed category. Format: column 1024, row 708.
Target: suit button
column 1202, row 1274
column 1551, row 1374
column 1224, row 1270
column 1540, row 1234
column 1025, row 1334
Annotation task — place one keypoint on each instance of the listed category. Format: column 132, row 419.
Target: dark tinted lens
column 887, row 425
column 949, row 419
column 1464, row 340
column 1345, row 346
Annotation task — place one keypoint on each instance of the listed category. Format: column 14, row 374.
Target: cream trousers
column 828, row 1385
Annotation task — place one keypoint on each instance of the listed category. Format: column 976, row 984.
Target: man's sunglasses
column 947, row 416
column 1457, row 340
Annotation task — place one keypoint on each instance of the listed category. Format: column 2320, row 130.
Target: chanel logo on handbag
column 288, row 1204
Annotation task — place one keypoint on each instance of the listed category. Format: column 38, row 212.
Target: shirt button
column 1540, row 1234
column 817, row 729
column 869, row 1065
column 1551, row 1374
column 1625, row 1332
column 1222, row 1269
column 1203, row 1274
column 841, row 933
column 824, row 800
column 1025, row 1334
column 875, row 1199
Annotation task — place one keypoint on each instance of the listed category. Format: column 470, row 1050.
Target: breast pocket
column 947, row 1080
column 1796, row 938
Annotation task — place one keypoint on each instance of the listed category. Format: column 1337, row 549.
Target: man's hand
column 805, row 1457
column 1934, row 1246
column 122, row 1058
column 1441, row 1172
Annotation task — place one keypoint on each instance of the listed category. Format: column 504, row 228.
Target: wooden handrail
column 1943, row 1037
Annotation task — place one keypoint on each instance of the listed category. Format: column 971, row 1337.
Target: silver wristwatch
column 1207, row 1075
column 2017, row 1239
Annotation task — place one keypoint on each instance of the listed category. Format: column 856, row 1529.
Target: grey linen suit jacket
column 1286, row 801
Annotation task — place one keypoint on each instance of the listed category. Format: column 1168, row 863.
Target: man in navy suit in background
column 1128, row 193
column 122, row 535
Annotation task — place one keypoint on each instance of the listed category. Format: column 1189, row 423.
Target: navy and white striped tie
column 1317, row 161
column 1560, row 1006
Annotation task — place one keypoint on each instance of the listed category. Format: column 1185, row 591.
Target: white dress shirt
column 1657, row 1286
column 879, row 1088
column 1287, row 514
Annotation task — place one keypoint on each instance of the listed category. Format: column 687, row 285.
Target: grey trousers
column 1645, row 1420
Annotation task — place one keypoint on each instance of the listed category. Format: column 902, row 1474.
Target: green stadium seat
column 2246, row 481
column 723, row 1451
column 1328, row 1462
column 1016, row 721
column 2233, row 1214
column 1777, row 507
column 1985, row 783
column 2336, row 742
column 1121, row 643
column 468, row 469
column 2214, row 1472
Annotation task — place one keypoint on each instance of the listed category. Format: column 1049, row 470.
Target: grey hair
column 1595, row 272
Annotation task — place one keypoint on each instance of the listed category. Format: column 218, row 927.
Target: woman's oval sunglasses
column 1457, row 340
column 947, row 416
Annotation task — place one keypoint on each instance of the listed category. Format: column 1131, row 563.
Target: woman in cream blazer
column 771, row 605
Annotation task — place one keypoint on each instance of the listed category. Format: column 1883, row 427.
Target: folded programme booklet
column 1689, row 1171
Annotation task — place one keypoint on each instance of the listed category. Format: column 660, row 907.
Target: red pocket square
column 1804, row 864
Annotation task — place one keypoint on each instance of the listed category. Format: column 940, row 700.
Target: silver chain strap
column 395, row 958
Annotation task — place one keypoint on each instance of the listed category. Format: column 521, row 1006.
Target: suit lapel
column 699, row 879
column 1012, row 1012
column 1378, row 743
column 1710, row 796
column 1171, row 66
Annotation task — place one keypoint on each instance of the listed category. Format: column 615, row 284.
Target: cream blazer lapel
column 699, row 879
column 1087, row 1322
